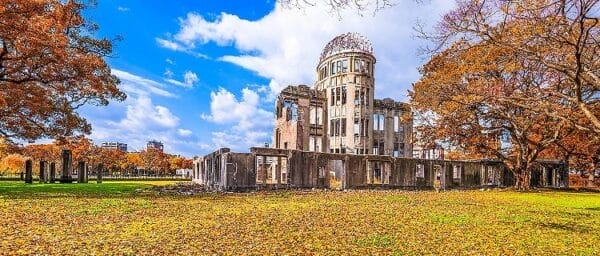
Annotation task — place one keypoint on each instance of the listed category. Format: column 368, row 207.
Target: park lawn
column 19, row 188
column 299, row 222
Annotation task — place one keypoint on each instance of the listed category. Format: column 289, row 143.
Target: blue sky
column 204, row 74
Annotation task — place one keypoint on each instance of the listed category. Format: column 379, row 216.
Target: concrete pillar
column 28, row 170
column 444, row 176
column 42, row 171
column 263, row 171
column 47, row 173
column 278, row 171
column 81, row 170
column 99, row 172
column 52, row 178
column 67, row 166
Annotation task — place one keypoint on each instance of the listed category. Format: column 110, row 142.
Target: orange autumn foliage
column 50, row 65
column 12, row 164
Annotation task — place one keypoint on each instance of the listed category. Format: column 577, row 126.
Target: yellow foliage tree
column 12, row 164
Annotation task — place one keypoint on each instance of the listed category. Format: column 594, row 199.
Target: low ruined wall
column 239, row 171
column 268, row 168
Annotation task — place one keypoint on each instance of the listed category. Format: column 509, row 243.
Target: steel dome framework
column 349, row 42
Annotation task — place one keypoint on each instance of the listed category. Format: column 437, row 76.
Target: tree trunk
column 522, row 177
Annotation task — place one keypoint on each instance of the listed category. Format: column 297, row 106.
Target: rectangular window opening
column 420, row 173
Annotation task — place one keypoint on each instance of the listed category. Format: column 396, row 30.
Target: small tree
column 154, row 160
column 132, row 161
column 12, row 164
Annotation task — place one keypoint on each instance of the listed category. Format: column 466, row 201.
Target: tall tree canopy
column 472, row 92
column 525, row 71
column 50, row 65
column 563, row 36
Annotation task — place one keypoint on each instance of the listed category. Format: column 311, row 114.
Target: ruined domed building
column 335, row 135
column 339, row 113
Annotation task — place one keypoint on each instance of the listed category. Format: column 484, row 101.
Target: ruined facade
column 299, row 120
column 335, row 135
column 340, row 114
column 271, row 168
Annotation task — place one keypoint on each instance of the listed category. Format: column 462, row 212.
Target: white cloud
column 190, row 78
column 167, row 60
column 122, row 9
column 138, row 119
column 285, row 45
column 172, row 45
column 239, row 142
column 245, row 113
column 143, row 121
column 174, row 142
column 143, row 114
column 250, row 123
column 184, row 132
column 134, row 84
column 175, row 82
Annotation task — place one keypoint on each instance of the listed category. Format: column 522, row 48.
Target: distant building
column 115, row 146
column 184, row 172
column 157, row 145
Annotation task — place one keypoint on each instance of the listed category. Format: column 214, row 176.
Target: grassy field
column 111, row 218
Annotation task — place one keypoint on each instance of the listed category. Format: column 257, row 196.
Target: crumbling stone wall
column 392, row 141
column 293, row 127
column 271, row 168
column 208, row 170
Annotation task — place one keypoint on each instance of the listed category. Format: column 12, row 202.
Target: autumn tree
column 50, row 65
column 457, row 154
column 132, row 161
column 576, row 148
column 472, row 93
column 562, row 36
column 3, row 147
column 12, row 164
column 8, row 147
column 112, row 159
column 82, row 148
column 187, row 163
column 43, row 152
column 175, row 162
column 154, row 160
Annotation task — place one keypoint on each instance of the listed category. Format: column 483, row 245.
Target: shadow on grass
column 570, row 227
column 584, row 190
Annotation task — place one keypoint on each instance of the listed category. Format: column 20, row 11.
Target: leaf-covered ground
column 112, row 218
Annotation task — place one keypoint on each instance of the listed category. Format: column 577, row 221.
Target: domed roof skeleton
column 349, row 42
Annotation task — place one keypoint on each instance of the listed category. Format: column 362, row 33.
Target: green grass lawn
column 20, row 189
column 111, row 218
